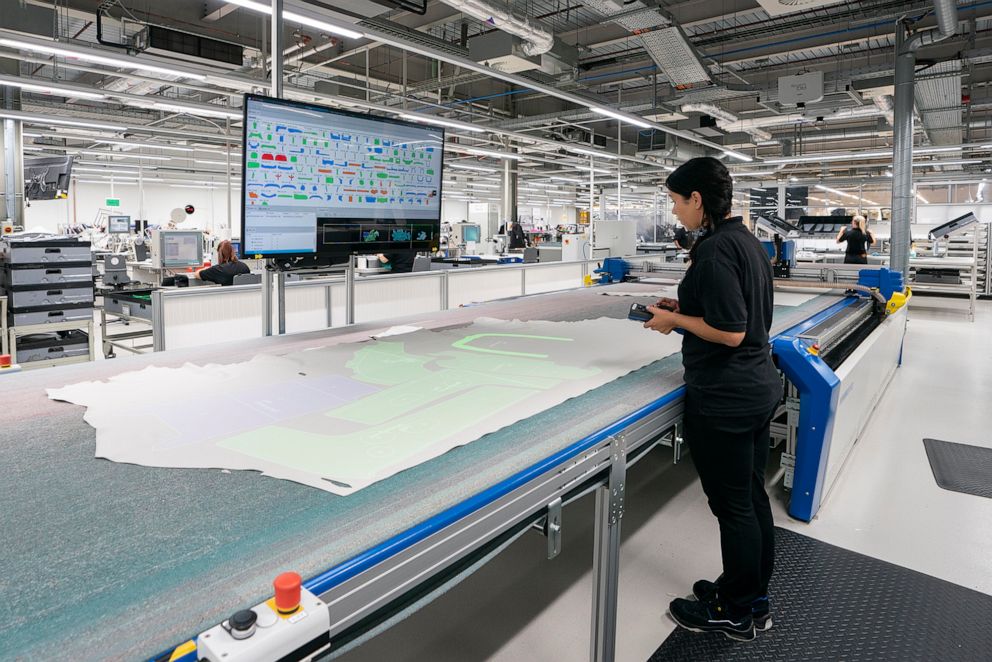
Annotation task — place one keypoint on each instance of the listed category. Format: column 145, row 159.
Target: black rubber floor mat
column 960, row 467
column 832, row 604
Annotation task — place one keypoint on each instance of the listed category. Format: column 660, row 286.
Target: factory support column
column 11, row 140
column 902, row 157
column 508, row 197
column 276, row 91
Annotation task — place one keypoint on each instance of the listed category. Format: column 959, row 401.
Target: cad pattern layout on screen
column 289, row 164
column 343, row 416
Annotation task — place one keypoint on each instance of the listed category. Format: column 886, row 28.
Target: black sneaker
column 711, row 617
column 705, row 591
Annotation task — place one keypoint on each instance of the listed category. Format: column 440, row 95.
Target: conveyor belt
column 104, row 560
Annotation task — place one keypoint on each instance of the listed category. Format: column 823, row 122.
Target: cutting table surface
column 104, row 560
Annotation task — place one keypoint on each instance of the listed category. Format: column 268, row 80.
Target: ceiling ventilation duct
column 726, row 120
column 536, row 40
column 779, row 7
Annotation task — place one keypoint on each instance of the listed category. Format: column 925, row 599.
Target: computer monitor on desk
column 119, row 224
column 177, row 249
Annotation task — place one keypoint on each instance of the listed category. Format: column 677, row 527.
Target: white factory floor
column 885, row 504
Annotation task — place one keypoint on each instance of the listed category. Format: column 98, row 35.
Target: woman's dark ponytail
column 711, row 179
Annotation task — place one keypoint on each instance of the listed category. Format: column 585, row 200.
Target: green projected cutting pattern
column 342, row 417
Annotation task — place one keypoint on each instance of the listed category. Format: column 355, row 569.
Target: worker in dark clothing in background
column 858, row 240
column 515, row 237
column 732, row 390
column 683, row 240
column 400, row 262
column 228, row 266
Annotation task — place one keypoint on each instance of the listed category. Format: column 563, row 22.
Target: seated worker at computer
column 515, row 237
column 227, row 266
column 400, row 262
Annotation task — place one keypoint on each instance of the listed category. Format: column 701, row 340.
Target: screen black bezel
column 333, row 111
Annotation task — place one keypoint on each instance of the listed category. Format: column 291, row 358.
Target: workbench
column 104, row 560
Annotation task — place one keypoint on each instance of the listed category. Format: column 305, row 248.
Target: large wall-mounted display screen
column 319, row 181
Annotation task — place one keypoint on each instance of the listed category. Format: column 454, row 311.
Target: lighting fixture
column 209, row 162
column 566, row 179
column 61, row 92
column 846, row 195
column 124, row 155
column 602, row 171
column 123, row 63
column 830, row 157
column 464, row 166
column 197, row 110
column 206, row 186
column 793, row 179
column 483, row 152
column 42, row 119
column 116, row 165
column 922, row 199
column 591, row 152
column 923, row 164
column 440, row 122
column 296, row 18
column 622, row 117
column 102, row 141
column 105, row 170
column 106, row 181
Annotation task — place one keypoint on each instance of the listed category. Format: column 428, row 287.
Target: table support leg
column 606, row 556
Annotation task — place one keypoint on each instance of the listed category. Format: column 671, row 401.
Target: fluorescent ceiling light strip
column 123, row 63
column 622, row 117
column 125, row 155
column 54, row 121
column 440, row 122
column 105, row 170
column 135, row 168
column 297, row 18
column 463, row 166
column 482, row 152
column 197, row 110
column 922, row 164
column 102, row 141
column 48, row 91
column 566, row 179
column 591, row 152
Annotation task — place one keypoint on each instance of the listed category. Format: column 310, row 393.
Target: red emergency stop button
column 287, row 586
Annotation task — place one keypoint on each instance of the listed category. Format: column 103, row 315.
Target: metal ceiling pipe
column 902, row 152
column 537, row 40
column 726, row 120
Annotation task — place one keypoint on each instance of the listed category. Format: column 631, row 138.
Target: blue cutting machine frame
column 818, row 388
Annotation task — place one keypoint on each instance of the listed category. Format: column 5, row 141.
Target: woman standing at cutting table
column 858, row 240
column 732, row 389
